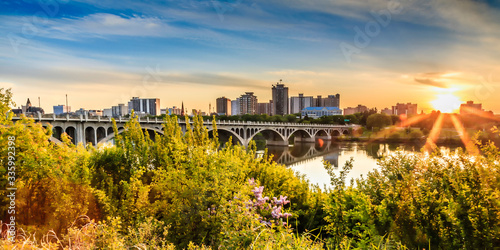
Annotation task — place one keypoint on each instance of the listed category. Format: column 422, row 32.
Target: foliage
column 52, row 180
column 415, row 134
column 378, row 121
column 441, row 201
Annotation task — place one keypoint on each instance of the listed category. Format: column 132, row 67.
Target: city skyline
column 376, row 54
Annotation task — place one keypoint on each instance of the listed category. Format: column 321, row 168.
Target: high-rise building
column 331, row 101
column 223, row 106
column 318, row 102
column 359, row 109
column 265, row 108
column 144, row 106
column 235, row 107
column 298, row 103
column 404, row 109
column 280, row 99
column 248, row 104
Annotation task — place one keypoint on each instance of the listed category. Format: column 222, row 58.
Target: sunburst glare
column 446, row 103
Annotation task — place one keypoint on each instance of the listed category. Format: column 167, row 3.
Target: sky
column 375, row 52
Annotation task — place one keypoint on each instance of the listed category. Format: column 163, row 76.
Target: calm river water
column 308, row 159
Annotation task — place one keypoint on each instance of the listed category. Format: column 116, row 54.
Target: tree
column 5, row 105
column 378, row 121
column 291, row 118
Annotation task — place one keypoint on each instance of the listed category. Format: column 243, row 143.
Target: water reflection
column 308, row 158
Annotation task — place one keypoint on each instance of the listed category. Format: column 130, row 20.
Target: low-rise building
column 174, row 111
column 62, row 109
column 471, row 108
column 28, row 110
column 107, row 113
column 386, row 111
column 120, row 110
column 317, row 112
column 353, row 110
column 404, row 109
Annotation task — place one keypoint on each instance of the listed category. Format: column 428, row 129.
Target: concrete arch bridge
column 85, row 130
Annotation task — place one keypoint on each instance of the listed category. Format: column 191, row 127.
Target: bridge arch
column 101, row 133
column 321, row 132
column 90, row 136
column 224, row 135
column 336, row 132
column 71, row 132
column 301, row 135
column 57, row 131
column 109, row 137
column 272, row 136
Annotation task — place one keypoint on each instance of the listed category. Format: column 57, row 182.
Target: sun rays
column 437, row 127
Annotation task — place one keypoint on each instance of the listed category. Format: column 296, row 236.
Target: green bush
column 441, row 201
column 415, row 134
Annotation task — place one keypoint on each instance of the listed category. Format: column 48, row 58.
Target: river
column 307, row 159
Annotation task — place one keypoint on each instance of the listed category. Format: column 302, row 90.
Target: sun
column 446, row 103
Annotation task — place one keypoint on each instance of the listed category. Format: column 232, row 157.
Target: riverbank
column 443, row 141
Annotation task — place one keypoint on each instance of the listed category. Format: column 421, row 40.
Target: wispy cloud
column 431, row 82
column 109, row 24
column 94, row 44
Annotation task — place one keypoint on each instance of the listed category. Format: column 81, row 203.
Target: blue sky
column 102, row 53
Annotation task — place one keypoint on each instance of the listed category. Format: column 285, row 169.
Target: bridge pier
column 80, row 134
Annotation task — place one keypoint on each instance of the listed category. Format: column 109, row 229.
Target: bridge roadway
column 85, row 130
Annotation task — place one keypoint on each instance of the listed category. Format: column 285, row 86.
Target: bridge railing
column 85, row 118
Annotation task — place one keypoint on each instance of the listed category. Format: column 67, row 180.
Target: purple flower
column 257, row 191
column 281, row 201
column 261, row 201
column 276, row 213
column 251, row 181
